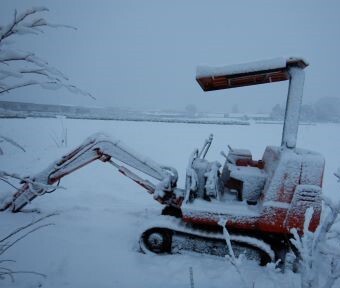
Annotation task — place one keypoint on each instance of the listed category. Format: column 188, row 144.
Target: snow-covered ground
column 94, row 242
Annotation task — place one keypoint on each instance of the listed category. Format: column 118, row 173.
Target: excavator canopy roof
column 260, row 72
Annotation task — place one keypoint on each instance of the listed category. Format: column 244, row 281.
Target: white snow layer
column 208, row 71
column 94, row 240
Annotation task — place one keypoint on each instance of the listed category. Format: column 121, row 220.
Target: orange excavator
column 259, row 201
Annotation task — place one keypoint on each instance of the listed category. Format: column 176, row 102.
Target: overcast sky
column 143, row 54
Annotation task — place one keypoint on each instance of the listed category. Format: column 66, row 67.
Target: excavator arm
column 100, row 147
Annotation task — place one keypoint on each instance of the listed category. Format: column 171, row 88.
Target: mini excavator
column 260, row 201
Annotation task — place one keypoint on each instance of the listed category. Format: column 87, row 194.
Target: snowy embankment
column 94, row 242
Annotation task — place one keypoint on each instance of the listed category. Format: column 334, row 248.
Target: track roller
column 156, row 240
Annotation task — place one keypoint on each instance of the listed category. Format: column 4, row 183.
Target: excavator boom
column 96, row 147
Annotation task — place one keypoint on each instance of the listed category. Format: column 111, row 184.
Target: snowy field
column 94, row 240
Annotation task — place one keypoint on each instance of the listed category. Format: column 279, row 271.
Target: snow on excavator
column 260, row 201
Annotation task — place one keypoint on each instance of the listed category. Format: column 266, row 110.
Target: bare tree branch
column 28, row 225
column 25, row 84
column 7, row 260
column 9, row 183
column 36, row 71
column 10, row 274
column 337, row 174
column 51, row 77
column 9, row 30
column 51, row 85
column 7, row 246
column 11, row 141
column 4, row 246
column 7, row 272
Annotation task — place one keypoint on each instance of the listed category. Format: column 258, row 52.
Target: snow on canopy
column 262, row 65
column 208, row 71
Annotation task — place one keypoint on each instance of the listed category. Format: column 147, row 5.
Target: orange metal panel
column 239, row 80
